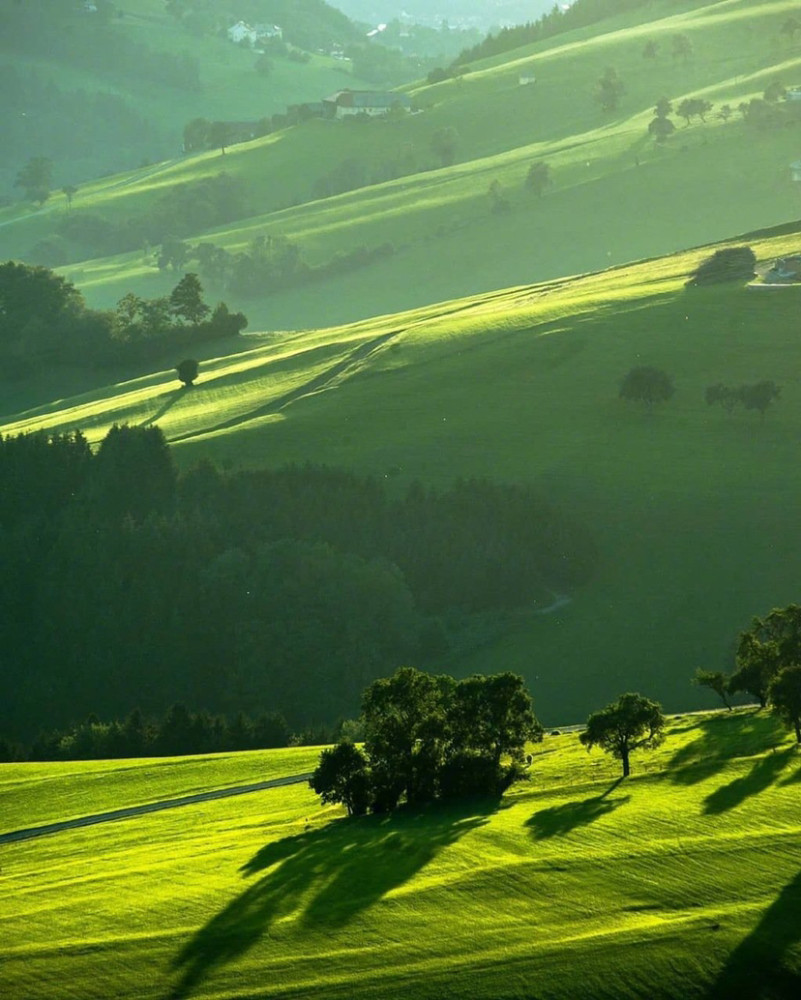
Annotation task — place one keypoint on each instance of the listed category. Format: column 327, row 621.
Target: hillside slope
column 693, row 511
column 98, row 92
column 681, row 882
column 615, row 195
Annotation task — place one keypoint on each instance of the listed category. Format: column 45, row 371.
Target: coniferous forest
column 129, row 586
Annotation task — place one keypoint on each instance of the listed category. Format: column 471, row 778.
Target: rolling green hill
column 616, row 195
column 99, row 94
column 693, row 511
column 682, row 882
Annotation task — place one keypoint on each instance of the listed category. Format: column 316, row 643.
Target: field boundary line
column 130, row 812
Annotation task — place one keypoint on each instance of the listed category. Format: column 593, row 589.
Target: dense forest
column 130, row 586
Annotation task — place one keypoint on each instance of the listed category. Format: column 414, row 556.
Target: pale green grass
column 682, row 877
column 38, row 794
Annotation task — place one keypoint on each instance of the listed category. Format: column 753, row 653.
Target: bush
column 727, row 265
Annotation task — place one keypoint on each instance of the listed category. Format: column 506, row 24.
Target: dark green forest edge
column 127, row 585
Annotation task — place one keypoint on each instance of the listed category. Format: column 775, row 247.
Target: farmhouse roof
column 368, row 99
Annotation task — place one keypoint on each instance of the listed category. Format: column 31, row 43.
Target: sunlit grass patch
column 574, row 884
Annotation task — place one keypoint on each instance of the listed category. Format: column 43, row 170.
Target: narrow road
column 116, row 814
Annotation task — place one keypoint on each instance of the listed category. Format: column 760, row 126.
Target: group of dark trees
column 767, row 666
column 763, row 112
column 646, row 384
column 125, row 584
column 609, row 89
column 756, row 396
column 177, row 732
column 269, row 264
column 44, row 318
column 430, row 737
column 145, row 327
column 649, row 385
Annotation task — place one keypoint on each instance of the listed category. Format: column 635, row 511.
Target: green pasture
column 64, row 790
column 616, row 196
column 681, row 882
column 694, row 512
column 230, row 89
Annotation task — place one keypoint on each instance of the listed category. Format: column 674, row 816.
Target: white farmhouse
column 241, row 31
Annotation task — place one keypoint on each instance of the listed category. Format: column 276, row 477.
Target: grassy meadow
column 616, row 196
column 694, row 512
column 681, row 882
column 229, row 88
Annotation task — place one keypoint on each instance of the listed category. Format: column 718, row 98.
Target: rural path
column 116, row 814
column 318, row 383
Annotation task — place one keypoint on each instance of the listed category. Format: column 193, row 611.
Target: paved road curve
column 117, row 814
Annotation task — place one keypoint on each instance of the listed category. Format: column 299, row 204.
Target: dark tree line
column 125, row 584
column 179, row 731
column 44, row 318
column 557, row 21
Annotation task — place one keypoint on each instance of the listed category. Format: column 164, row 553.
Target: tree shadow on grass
column 325, row 878
column 761, row 776
column 723, row 738
column 166, row 406
column 795, row 777
column 559, row 820
column 757, row 969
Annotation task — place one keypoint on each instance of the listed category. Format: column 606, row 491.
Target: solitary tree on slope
column 628, row 724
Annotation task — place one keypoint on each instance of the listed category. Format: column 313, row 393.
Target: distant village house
column 253, row 34
column 364, row 102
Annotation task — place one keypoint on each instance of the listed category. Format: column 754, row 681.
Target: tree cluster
column 609, row 89
column 269, row 264
column 756, row 396
column 767, row 666
column 125, row 584
column 43, row 317
column 430, row 737
column 646, row 384
column 143, row 327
